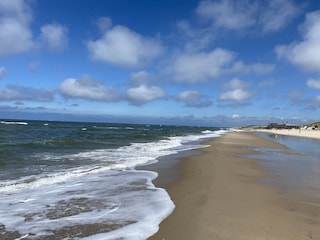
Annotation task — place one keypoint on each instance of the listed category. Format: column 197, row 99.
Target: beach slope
column 217, row 196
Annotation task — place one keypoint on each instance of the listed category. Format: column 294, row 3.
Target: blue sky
column 207, row 62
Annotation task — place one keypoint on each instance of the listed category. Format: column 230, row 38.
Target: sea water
column 65, row 180
column 296, row 167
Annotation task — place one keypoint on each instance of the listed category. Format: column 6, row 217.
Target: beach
column 219, row 194
column 307, row 133
column 75, row 180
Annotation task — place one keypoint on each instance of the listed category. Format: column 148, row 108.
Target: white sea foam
column 126, row 157
column 107, row 190
column 108, row 197
column 14, row 123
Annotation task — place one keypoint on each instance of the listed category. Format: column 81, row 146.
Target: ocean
column 70, row 180
column 295, row 169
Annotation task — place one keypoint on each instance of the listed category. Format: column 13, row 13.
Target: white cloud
column 141, row 77
column 188, row 95
column 228, row 14
column 277, row 14
column 203, row 66
column 86, row 88
column 236, row 83
column 236, row 91
column 200, row 67
column 3, row 72
column 237, row 95
column 313, row 83
column 54, row 36
column 14, row 92
column 15, row 35
column 193, row 38
column 305, row 54
column 264, row 16
column 143, row 94
column 257, row 68
column 122, row 47
column 234, row 116
column 194, row 99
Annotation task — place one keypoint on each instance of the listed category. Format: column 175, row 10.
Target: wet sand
column 217, row 196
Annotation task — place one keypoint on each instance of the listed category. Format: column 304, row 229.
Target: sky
column 188, row 62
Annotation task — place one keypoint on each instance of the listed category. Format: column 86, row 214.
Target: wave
column 93, row 187
column 13, row 123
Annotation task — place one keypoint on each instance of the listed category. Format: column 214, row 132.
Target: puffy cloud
column 203, row 66
column 236, row 94
column 15, row 34
column 54, row 36
column 89, row 89
column 86, row 88
column 143, row 94
column 267, row 16
column 122, row 47
column 19, row 93
column 236, row 91
column 200, row 67
column 3, row 72
column 305, row 54
column 313, row 83
column 194, row 99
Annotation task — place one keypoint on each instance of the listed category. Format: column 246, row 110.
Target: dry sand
column 309, row 133
column 217, row 197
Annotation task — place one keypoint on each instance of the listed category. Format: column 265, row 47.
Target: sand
column 217, row 196
column 308, row 133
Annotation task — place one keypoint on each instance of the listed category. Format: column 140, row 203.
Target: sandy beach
column 308, row 133
column 218, row 196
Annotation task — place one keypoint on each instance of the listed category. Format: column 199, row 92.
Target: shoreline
column 315, row 134
column 217, row 196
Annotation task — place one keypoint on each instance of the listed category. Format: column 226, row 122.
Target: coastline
column 292, row 132
column 217, row 196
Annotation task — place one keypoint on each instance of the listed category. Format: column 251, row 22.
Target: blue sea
column 67, row 180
